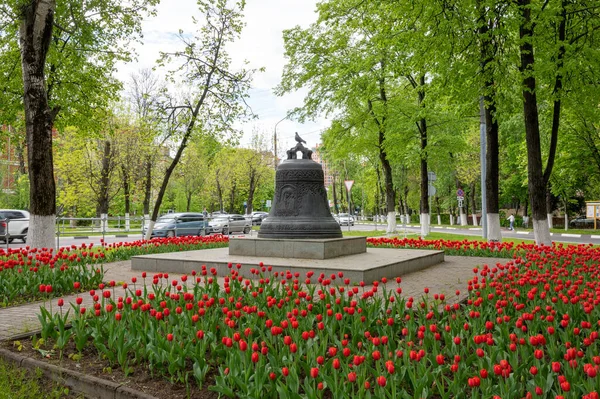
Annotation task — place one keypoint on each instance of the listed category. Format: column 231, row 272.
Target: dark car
column 582, row 222
column 258, row 217
column 179, row 224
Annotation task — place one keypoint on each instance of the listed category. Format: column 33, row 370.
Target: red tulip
column 314, row 372
column 556, row 367
column 336, row 363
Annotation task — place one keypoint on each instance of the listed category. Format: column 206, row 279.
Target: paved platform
column 369, row 266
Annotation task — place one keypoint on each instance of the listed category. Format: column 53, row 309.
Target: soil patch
column 90, row 363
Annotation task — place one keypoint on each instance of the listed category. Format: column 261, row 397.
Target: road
column 409, row 231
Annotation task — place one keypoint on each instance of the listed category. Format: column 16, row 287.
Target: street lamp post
column 275, row 138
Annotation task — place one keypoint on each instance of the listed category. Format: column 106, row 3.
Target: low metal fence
column 79, row 227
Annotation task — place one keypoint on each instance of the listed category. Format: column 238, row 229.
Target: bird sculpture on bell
column 300, row 206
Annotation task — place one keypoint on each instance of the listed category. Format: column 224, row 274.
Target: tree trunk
column 219, row 194
column 390, row 199
column 252, row 188
column 549, row 205
column 422, row 125
column 536, row 183
column 473, row 207
column 188, row 200
column 461, row 209
column 126, row 189
column 104, row 183
column 335, row 199
column 20, row 150
column 147, row 184
column 34, row 36
column 232, row 198
column 168, row 173
column 467, row 205
column 406, row 211
column 488, row 49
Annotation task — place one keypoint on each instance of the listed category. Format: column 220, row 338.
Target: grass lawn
column 19, row 383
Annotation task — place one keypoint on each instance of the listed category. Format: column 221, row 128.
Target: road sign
column 431, row 190
column 460, row 202
column 460, row 192
column 431, row 176
column 348, row 184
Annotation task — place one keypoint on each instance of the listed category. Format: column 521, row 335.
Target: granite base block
column 326, row 248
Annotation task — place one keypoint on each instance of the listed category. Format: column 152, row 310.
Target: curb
column 90, row 386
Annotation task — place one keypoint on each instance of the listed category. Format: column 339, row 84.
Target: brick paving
column 444, row 278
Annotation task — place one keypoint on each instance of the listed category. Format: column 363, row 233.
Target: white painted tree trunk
column 439, row 217
column 103, row 222
column 463, row 218
column 127, row 222
column 550, row 224
column 493, row 227
column 474, row 218
column 541, row 232
column 424, row 224
column 451, row 220
column 150, row 224
column 41, row 231
column 407, row 219
column 391, row 223
column 566, row 222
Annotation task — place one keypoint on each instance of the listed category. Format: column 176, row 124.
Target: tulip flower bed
column 456, row 248
column 28, row 274
column 528, row 329
column 126, row 250
column 31, row 274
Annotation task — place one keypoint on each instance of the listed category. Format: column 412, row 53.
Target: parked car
column 17, row 222
column 179, row 224
column 230, row 224
column 258, row 217
column 345, row 219
column 582, row 222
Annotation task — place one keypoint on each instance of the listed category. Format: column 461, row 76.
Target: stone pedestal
column 297, row 248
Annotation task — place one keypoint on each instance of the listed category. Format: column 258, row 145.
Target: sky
column 261, row 44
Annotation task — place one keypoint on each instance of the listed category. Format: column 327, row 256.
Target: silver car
column 226, row 224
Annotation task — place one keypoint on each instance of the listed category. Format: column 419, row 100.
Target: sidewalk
column 445, row 278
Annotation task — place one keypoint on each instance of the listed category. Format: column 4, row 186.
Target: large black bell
column 300, row 207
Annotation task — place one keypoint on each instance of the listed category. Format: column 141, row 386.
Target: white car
column 17, row 222
column 345, row 219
